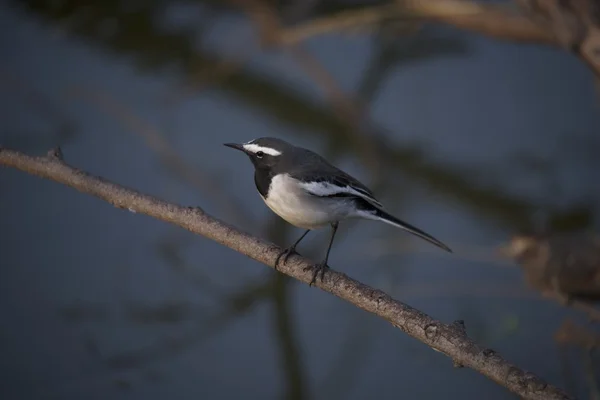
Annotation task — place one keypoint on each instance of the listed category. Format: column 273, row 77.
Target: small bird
column 308, row 192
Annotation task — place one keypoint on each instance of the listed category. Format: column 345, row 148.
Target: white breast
column 288, row 200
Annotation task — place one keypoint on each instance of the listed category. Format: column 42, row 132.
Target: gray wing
column 319, row 178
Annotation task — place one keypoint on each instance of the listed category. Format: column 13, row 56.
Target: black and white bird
column 308, row 192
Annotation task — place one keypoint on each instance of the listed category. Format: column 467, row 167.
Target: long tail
column 383, row 216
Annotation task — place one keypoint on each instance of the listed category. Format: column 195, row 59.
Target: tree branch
column 570, row 24
column 450, row 339
column 496, row 21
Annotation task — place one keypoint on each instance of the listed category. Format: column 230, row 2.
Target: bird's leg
column 322, row 266
column 287, row 252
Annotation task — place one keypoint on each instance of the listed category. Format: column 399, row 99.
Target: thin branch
column 348, row 111
column 586, row 307
column 244, row 48
column 157, row 142
column 449, row 339
column 341, row 21
column 571, row 333
column 169, row 346
column 497, row 21
column 290, row 354
column 566, row 24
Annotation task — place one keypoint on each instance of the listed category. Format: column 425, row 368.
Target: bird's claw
column 285, row 254
column 321, row 267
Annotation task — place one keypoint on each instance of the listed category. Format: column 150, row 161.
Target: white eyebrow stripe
column 254, row 148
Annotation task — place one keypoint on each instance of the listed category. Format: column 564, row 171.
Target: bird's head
column 265, row 153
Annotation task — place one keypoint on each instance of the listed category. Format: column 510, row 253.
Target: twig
column 223, row 69
column 35, row 99
column 169, row 346
column 449, row 339
column 454, row 289
column 496, row 21
column 588, row 362
column 286, row 335
column 570, row 333
column 341, row 21
column 388, row 246
column 348, row 111
column 270, row 29
column 592, row 312
column 157, row 142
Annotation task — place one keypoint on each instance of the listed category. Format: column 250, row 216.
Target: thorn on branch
column 489, row 353
column 56, row 154
column 379, row 299
column 432, row 332
column 460, row 324
column 196, row 210
column 534, row 383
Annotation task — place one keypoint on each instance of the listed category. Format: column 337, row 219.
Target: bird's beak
column 235, row 146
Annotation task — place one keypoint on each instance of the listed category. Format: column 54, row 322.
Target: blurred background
column 477, row 141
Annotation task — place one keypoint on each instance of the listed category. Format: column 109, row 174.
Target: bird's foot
column 285, row 254
column 318, row 268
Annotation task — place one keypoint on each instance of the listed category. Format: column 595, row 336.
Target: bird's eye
column 260, row 154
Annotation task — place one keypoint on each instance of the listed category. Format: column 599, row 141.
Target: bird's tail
column 383, row 216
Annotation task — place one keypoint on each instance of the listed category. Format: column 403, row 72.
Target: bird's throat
column 262, row 179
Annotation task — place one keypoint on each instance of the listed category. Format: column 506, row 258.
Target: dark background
column 468, row 138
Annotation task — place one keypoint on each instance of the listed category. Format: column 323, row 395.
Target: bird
column 308, row 192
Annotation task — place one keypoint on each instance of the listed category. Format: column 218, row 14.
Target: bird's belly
column 306, row 211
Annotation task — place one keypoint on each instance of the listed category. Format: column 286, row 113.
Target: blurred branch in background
column 283, row 318
column 586, row 343
column 287, row 335
column 572, row 24
column 214, row 74
column 449, row 339
column 43, row 106
column 350, row 361
column 350, row 114
column 232, row 307
column 169, row 251
column 562, row 266
column 565, row 267
column 575, row 25
column 391, row 53
column 571, row 333
column 275, row 291
column 152, row 47
column 156, row 141
column 208, row 323
column 387, row 246
column 499, row 21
